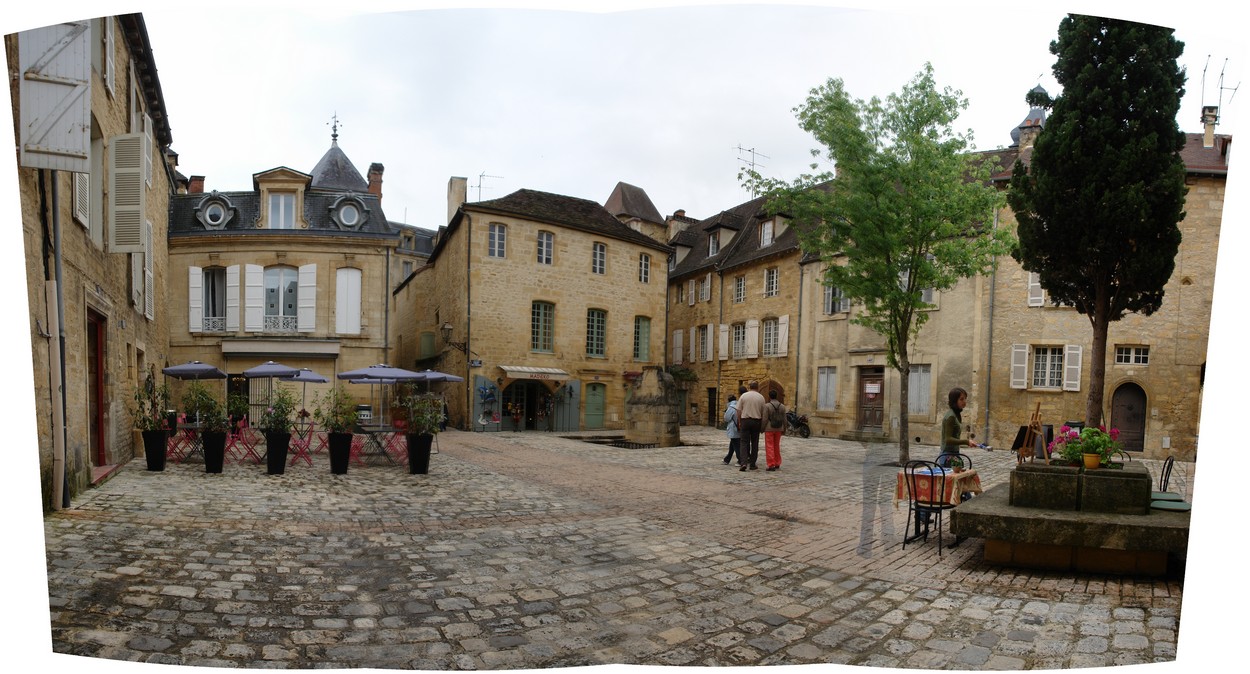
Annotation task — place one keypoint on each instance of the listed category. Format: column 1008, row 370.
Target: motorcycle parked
column 797, row 424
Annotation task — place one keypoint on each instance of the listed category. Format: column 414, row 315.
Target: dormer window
column 713, row 243
column 348, row 213
column 766, row 232
column 282, row 210
column 214, row 211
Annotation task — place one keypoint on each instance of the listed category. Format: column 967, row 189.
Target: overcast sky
column 534, row 96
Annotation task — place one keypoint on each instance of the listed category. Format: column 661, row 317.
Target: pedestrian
column 773, row 431
column 750, row 422
column 731, row 429
column 952, row 424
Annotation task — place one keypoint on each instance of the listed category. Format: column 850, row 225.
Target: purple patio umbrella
column 194, row 370
column 381, row 371
column 269, row 370
column 304, row 376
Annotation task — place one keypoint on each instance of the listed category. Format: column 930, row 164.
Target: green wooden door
column 596, row 395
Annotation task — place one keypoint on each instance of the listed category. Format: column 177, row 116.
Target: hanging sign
column 872, row 387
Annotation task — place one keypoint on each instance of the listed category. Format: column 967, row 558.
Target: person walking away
column 751, row 406
column 731, row 429
column 773, row 431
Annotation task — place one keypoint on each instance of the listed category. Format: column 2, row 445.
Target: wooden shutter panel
column 1072, row 367
column 306, row 303
column 1019, row 366
column 127, row 196
column 724, row 342
column 55, row 92
column 710, row 335
column 195, row 299
column 148, row 142
column 110, row 64
column 677, row 350
column 693, row 346
column 707, row 288
column 232, row 298
column 254, row 298
column 691, row 292
column 753, row 339
column 82, row 199
column 783, row 334
column 136, row 280
column 149, row 275
column 1037, row 296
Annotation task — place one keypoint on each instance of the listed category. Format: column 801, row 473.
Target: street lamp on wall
column 459, row 346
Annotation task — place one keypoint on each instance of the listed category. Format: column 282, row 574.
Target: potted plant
column 237, row 407
column 425, row 415
column 335, row 411
column 213, row 424
column 275, row 423
column 150, row 404
column 1090, row 447
column 956, row 464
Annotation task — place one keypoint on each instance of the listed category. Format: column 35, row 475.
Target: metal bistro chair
column 1164, row 499
column 926, row 489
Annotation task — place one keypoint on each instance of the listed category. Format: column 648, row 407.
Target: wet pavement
column 531, row 550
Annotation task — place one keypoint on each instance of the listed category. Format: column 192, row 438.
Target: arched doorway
column 1128, row 413
column 773, row 385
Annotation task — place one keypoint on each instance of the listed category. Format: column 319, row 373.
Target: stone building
column 94, row 186
column 547, row 305
column 734, row 300
column 297, row 269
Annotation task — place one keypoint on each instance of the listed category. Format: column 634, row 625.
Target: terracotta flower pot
column 1092, row 461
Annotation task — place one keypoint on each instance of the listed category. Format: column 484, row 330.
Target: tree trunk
column 1097, row 367
column 904, row 367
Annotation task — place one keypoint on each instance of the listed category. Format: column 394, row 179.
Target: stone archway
column 767, row 385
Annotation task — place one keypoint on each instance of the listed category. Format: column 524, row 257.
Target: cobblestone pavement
column 529, row 550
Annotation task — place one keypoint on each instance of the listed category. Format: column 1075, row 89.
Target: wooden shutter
column 724, row 342
column 148, row 142
column 136, row 280
column 127, row 196
column 709, row 352
column 254, row 298
column 783, row 335
column 306, row 303
column 55, row 92
column 677, row 350
column 1019, row 366
column 707, row 288
column 691, row 292
column 693, row 346
column 82, row 199
column 232, row 298
column 347, row 301
column 110, row 63
column 195, row 299
column 1072, row 367
column 1037, row 296
column 149, row 275
column 753, row 339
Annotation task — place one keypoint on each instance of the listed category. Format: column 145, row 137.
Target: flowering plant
column 277, row 416
column 1072, row 444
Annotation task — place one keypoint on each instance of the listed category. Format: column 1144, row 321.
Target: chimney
column 196, row 186
column 457, row 194
column 375, row 179
column 1210, row 117
column 679, row 213
column 1028, row 132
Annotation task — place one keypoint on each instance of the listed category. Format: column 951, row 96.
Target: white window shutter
column 691, row 292
column 724, row 342
column 55, row 91
column 148, row 143
column 195, row 299
column 753, row 339
column 783, row 334
column 708, row 351
column 1019, row 366
column 707, row 289
column 82, row 199
column 254, row 298
column 347, row 301
column 232, row 298
column 306, row 303
column 110, row 65
column 127, row 195
column 677, row 350
column 149, row 275
column 1072, row 367
column 1037, row 296
column 693, row 346
column 136, row 280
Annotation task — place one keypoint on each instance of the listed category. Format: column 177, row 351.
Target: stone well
column 651, row 413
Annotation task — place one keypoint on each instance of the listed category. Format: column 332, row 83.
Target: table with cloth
column 956, row 485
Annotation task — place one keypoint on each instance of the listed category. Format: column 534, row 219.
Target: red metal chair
column 176, row 445
column 242, row 444
column 301, row 441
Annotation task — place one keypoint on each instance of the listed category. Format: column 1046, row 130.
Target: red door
column 871, row 398
column 95, row 388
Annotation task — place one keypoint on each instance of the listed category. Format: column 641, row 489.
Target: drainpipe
column 989, row 348
column 467, row 223
column 720, row 320
column 798, row 342
column 60, row 481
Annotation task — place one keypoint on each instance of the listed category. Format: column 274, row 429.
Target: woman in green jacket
column 952, row 425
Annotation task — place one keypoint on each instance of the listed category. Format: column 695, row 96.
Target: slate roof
column 245, row 211
column 1198, row 159
column 571, row 212
column 743, row 219
column 632, row 201
column 335, row 171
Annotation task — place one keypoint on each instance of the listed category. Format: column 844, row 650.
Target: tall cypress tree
column 1098, row 205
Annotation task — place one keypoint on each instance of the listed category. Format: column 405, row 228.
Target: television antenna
column 481, row 176
column 751, row 163
column 1219, row 87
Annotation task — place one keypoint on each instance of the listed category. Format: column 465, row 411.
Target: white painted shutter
column 1019, row 366
column 306, row 303
column 753, row 339
column 844, row 304
column 254, row 298
column 707, row 288
column 195, row 299
column 55, row 92
column 110, row 65
column 691, row 292
column 1072, row 367
column 82, row 199
column 347, row 301
column 783, row 334
column 136, row 280
column 724, row 342
column 708, row 350
column 148, row 142
column 232, row 298
column 126, row 193
column 693, row 346
column 677, row 350
column 149, row 275
column 1037, row 296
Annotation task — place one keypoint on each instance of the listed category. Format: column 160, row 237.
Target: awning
column 544, row 373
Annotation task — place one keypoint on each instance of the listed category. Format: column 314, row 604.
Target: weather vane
column 334, row 127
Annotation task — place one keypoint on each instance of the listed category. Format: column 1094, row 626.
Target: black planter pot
column 276, row 445
column 419, row 453
column 214, row 450
column 340, row 451
column 154, row 448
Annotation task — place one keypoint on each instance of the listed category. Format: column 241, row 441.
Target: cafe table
column 966, row 481
column 188, row 442
column 377, row 438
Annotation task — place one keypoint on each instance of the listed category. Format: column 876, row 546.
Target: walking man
column 750, row 421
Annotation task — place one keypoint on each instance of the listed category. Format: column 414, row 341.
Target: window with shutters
column 703, row 337
column 740, row 289
column 82, row 199
column 770, row 337
column 546, row 247
column 496, row 240
column 919, row 381
column 770, row 282
column 1047, row 366
column 281, row 299
column 599, row 258
column 644, row 268
column 1037, row 296
column 835, row 301
column 642, row 338
column 214, row 299
column 681, row 293
column 347, row 301
column 738, row 334
column 149, row 273
column 542, row 326
column 705, row 289
column 826, row 388
column 596, row 333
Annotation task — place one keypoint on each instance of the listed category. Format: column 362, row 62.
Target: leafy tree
column 1098, row 205
column 910, row 208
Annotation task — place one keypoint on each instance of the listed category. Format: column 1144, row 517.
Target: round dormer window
column 349, row 215
column 215, row 215
column 214, row 212
column 349, row 212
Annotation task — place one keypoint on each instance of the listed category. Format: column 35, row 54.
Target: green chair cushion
column 1165, row 496
column 1172, row 506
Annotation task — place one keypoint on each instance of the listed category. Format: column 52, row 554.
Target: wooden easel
column 1031, row 434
